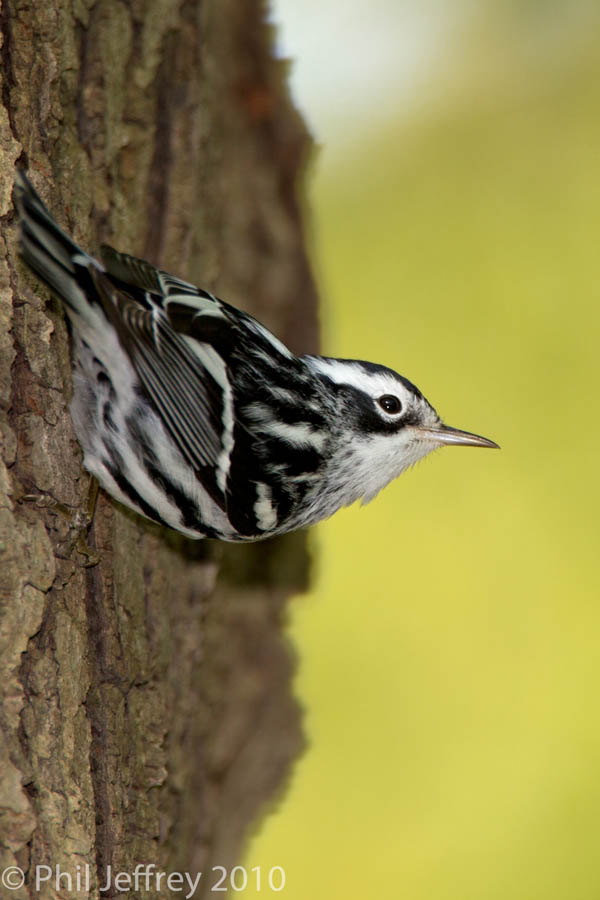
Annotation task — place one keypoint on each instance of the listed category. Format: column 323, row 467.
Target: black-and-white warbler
column 193, row 414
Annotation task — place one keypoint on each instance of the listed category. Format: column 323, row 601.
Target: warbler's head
column 386, row 423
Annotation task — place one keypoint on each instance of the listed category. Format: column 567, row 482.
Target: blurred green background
column 449, row 653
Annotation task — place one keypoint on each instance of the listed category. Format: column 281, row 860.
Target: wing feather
column 136, row 272
column 130, row 270
column 191, row 400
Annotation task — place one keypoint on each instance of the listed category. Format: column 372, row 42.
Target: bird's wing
column 133, row 272
column 191, row 352
column 130, row 270
column 191, row 310
column 185, row 377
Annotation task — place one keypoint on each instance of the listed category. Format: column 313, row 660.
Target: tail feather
column 47, row 249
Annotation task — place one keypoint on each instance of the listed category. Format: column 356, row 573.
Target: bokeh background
column 449, row 652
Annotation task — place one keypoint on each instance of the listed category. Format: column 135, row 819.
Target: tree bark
column 146, row 712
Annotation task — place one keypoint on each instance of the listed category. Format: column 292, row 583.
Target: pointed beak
column 444, row 434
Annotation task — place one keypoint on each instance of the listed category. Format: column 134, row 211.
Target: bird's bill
column 445, row 435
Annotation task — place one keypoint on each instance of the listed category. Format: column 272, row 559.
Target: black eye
column 390, row 404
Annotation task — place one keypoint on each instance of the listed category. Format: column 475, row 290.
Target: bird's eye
column 390, row 404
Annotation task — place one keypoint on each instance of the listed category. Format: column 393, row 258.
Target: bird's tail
column 51, row 253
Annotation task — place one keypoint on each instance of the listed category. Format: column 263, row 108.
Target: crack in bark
column 162, row 159
column 99, row 744
column 8, row 77
column 84, row 34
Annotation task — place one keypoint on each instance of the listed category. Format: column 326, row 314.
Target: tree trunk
column 146, row 712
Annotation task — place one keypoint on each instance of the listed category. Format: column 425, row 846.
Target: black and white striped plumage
column 191, row 413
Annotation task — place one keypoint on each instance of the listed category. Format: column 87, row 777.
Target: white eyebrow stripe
column 375, row 384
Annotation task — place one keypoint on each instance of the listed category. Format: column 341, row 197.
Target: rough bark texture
column 146, row 711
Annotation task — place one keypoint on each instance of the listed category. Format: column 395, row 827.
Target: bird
column 193, row 414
